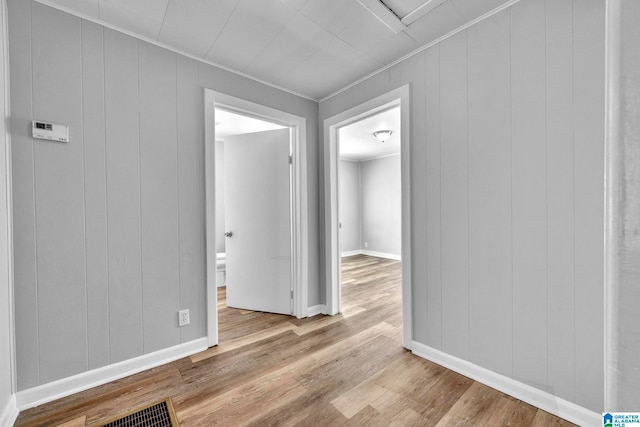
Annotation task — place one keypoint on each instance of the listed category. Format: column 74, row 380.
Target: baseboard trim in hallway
column 67, row 386
column 536, row 397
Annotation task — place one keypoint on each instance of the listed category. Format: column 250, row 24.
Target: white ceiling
column 228, row 123
column 356, row 140
column 310, row 47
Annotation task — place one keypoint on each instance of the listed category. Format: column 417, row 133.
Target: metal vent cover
column 159, row 414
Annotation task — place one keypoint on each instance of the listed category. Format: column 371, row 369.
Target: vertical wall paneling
column 59, row 185
column 454, row 198
column 529, row 204
column 191, row 206
column 123, row 195
column 433, row 303
column 24, row 245
column 560, row 205
column 95, row 194
column 588, row 81
column 159, row 197
column 490, row 278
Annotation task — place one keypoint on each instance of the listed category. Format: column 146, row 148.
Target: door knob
column 229, row 233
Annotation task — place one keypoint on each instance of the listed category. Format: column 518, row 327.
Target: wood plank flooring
column 271, row 369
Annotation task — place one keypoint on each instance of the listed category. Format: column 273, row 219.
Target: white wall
column 6, row 310
column 507, row 193
column 350, row 206
column 109, row 228
column 220, row 217
column 370, row 206
column 382, row 205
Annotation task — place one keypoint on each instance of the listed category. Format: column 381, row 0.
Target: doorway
column 369, row 186
column 253, row 213
column 397, row 98
column 369, row 212
column 296, row 145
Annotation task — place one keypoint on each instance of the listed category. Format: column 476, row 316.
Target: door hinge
column 290, row 160
column 291, row 294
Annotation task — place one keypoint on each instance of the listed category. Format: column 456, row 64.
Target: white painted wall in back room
column 381, row 205
column 507, row 193
column 370, row 206
column 350, row 206
column 109, row 228
column 220, row 210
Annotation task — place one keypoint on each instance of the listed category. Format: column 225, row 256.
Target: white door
column 258, row 221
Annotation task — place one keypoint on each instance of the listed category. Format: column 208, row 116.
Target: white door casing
column 300, row 223
column 400, row 97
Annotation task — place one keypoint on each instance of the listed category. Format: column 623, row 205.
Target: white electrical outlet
column 183, row 317
column 366, row 244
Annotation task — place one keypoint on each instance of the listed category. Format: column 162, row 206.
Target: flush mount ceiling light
column 382, row 135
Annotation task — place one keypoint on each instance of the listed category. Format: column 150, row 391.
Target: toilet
column 221, row 269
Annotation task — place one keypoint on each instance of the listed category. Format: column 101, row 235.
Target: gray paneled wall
column 109, row 228
column 61, row 255
column 507, row 193
column 560, row 200
column 95, row 182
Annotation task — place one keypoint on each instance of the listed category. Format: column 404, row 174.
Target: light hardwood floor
column 271, row 369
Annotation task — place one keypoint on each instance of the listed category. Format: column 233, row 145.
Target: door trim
column 399, row 97
column 299, row 214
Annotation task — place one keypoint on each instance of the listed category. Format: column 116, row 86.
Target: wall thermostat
column 50, row 131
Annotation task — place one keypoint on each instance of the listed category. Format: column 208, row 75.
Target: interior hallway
column 277, row 370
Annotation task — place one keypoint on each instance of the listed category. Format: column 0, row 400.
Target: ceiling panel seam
column 164, row 18
column 282, row 30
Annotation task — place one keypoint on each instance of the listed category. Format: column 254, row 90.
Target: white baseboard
column 381, row 255
column 316, row 309
column 536, row 397
column 370, row 253
column 54, row 390
column 9, row 413
column 350, row 253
